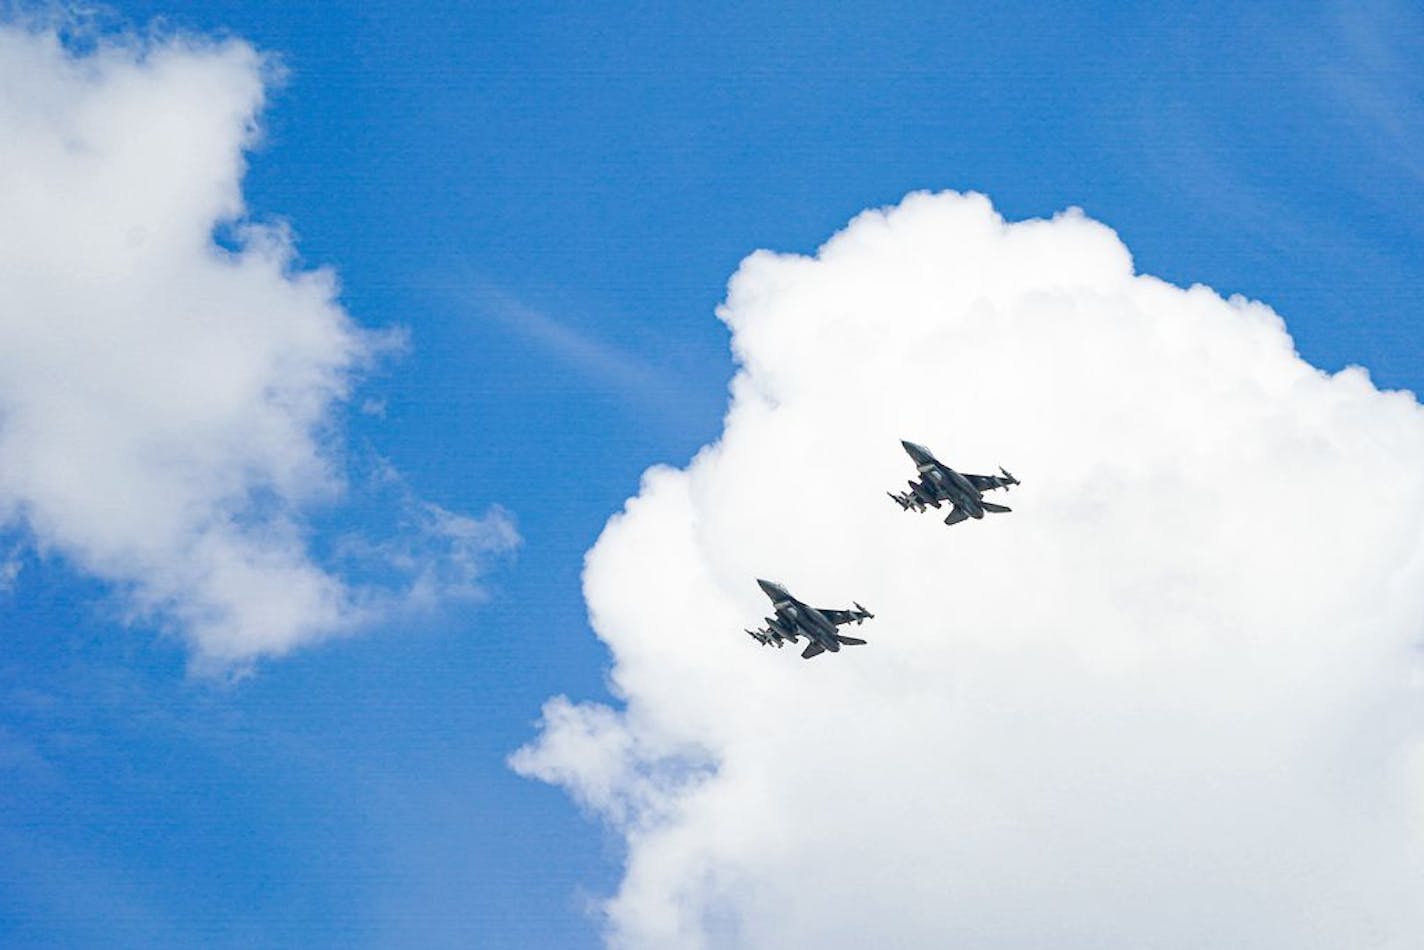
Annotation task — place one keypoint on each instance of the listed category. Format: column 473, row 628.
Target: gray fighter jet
column 795, row 619
column 940, row 483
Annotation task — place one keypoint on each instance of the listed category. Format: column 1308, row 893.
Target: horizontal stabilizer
column 812, row 649
column 996, row 509
column 851, row 641
column 956, row 516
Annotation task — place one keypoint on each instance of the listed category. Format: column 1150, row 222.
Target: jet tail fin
column 996, row 509
column 956, row 516
column 812, row 649
column 850, row 641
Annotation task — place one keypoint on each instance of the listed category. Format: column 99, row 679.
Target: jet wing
column 839, row 617
column 988, row 482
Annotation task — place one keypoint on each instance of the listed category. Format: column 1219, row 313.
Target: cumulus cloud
column 1172, row 700
column 168, row 403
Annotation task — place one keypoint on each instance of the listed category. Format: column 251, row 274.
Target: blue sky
column 550, row 201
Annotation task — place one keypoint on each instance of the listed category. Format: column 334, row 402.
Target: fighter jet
column 940, row 483
column 794, row 618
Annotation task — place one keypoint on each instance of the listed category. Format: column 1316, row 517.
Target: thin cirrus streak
column 642, row 383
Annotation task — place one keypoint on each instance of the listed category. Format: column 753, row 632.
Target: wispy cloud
column 10, row 567
column 1375, row 77
column 440, row 556
column 590, row 356
column 643, row 383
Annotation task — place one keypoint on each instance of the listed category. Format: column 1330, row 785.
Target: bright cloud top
column 166, row 404
column 1172, row 700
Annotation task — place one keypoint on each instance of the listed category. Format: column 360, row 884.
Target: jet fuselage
column 801, row 618
column 955, row 486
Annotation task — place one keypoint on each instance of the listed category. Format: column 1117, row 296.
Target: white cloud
column 1172, row 700
column 167, row 406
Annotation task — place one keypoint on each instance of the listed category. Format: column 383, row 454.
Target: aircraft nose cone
column 917, row 452
column 770, row 588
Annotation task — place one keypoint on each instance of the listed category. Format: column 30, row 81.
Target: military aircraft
column 794, row 618
column 939, row 483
